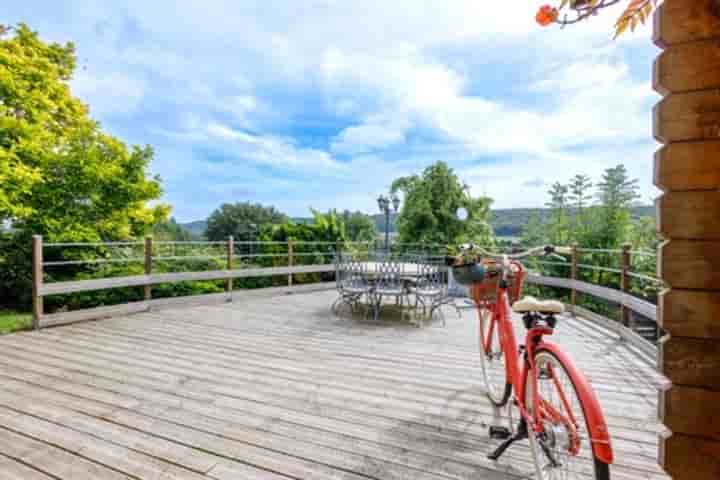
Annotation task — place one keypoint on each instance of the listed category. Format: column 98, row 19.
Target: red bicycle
column 558, row 409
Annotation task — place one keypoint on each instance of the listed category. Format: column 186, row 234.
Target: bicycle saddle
column 532, row 304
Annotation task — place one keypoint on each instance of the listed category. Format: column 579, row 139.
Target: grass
column 12, row 321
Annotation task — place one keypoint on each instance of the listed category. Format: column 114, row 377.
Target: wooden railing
column 237, row 264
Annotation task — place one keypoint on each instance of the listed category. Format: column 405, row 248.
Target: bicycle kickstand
column 521, row 434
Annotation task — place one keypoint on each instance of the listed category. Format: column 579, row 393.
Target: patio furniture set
column 417, row 283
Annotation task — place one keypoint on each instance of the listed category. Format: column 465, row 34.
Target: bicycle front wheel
column 562, row 450
column 492, row 359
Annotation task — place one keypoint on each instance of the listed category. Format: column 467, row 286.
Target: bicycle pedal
column 500, row 433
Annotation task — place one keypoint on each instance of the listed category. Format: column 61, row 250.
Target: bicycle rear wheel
column 492, row 359
column 567, row 442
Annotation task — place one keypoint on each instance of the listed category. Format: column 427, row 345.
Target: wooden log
column 703, row 419
column 688, row 166
column 689, row 313
column 37, row 280
column 693, row 458
column 680, row 21
column 688, row 116
column 689, row 215
column 692, row 362
column 690, row 264
column 687, row 67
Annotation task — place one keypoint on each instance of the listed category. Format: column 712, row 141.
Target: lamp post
column 385, row 203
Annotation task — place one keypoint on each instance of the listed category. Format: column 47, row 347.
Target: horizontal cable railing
column 151, row 264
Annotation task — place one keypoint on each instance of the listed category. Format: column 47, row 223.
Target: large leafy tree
column 243, row 220
column 431, row 202
column 60, row 175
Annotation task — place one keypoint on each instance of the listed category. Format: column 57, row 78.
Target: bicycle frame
column 517, row 371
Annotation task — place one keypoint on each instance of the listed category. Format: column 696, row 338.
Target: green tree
column 359, row 227
column 534, row 232
column 60, row 175
column 558, row 227
column 429, row 210
column 580, row 194
column 243, row 220
column 580, row 198
column 617, row 194
column 171, row 231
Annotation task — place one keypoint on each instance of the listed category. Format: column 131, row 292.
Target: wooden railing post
column 230, row 253
column 37, row 279
column 573, row 275
column 625, row 263
column 148, row 265
column 291, row 261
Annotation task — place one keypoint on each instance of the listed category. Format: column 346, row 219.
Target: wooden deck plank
column 250, row 408
column 53, row 460
column 233, row 380
column 277, row 387
column 11, row 469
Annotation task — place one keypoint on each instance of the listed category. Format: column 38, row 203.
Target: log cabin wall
column 687, row 169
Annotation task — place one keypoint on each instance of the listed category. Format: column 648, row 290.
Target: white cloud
column 272, row 151
column 388, row 87
column 109, row 93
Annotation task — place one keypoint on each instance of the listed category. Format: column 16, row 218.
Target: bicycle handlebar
column 549, row 250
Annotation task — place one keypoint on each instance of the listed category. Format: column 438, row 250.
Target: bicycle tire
column 497, row 393
column 601, row 469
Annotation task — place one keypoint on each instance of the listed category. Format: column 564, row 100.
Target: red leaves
column 546, row 15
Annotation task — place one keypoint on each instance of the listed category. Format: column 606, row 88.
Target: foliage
column 534, row 232
column 617, row 193
column 316, row 242
column 60, row 175
column 171, row 231
column 603, row 227
column 572, row 218
column 358, row 226
column 429, row 211
column 558, row 227
column 11, row 321
column 636, row 12
column 243, row 220
column 326, row 227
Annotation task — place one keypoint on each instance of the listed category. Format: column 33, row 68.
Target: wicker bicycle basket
column 485, row 292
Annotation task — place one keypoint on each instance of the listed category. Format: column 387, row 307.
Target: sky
column 323, row 103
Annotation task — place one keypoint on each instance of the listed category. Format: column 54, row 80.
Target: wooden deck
column 275, row 388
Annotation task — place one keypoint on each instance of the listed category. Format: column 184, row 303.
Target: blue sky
column 322, row 103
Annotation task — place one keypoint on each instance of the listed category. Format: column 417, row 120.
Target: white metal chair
column 389, row 282
column 351, row 283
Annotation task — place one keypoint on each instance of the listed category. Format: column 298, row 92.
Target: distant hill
column 197, row 228
column 507, row 222
column 510, row 222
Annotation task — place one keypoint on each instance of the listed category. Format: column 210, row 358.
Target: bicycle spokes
column 559, row 440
